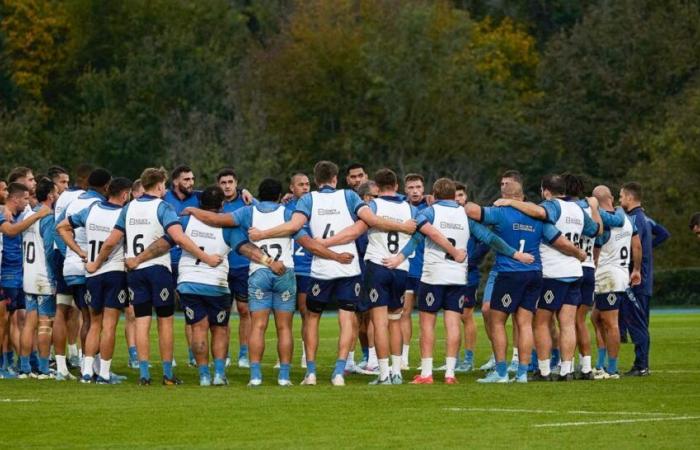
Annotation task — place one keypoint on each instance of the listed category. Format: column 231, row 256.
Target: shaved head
column 512, row 190
column 604, row 196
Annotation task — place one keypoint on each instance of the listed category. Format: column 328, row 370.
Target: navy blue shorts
column 513, row 290
column 302, row 284
column 384, row 287
column 238, row 283
column 412, row 284
column 57, row 264
column 152, row 285
column 556, row 293
column 107, row 290
column 79, row 292
column 15, row 297
column 609, row 301
column 470, row 296
column 214, row 308
column 345, row 290
column 587, row 286
column 434, row 297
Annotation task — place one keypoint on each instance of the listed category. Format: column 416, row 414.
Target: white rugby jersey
column 554, row 263
column 587, row 243
column 65, row 199
column 73, row 264
column 36, row 278
column 211, row 241
column 98, row 225
column 438, row 267
column 279, row 249
column 613, row 273
column 142, row 228
column 383, row 244
column 330, row 214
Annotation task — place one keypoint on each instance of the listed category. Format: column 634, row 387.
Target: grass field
column 660, row 411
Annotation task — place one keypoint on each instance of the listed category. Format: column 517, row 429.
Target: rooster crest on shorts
column 220, row 317
column 357, row 288
column 506, row 300
column 548, row 297
column 189, row 312
column 286, row 295
column 461, row 302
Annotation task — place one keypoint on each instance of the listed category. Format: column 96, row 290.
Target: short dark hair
column 151, row 176
column 365, row 188
column 44, row 188
column 554, row 184
column 297, row 174
column 354, row 166
column 386, row 179
column 694, row 220
column 83, row 171
column 99, row 178
column 324, row 171
column 14, row 189
column 633, row 188
column 212, row 198
column 17, row 173
column 514, row 174
column 226, row 172
column 269, row 190
column 574, row 185
column 460, row 187
column 118, row 185
column 413, row 177
column 55, row 171
column 179, row 170
column 444, row 189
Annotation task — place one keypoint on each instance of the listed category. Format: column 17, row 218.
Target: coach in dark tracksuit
column 634, row 311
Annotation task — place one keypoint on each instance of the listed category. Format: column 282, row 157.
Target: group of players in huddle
column 108, row 245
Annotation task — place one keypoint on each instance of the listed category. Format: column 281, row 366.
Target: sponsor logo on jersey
column 451, row 226
column 203, row 234
column 95, row 227
column 327, row 212
column 139, row 222
column 574, row 220
column 523, row 227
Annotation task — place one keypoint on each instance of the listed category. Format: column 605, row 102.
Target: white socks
column 372, row 360
column 567, row 367
column 450, row 363
column 404, row 354
column 61, row 366
column 383, row 368
column 586, row 364
column 396, row 364
column 350, row 362
column 426, row 367
column 105, row 366
column 88, row 370
column 72, row 350
column 543, row 365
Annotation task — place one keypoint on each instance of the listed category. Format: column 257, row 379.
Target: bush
column 676, row 287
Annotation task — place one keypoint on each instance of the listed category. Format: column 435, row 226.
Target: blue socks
column 220, row 367
column 600, row 362
column 365, row 353
column 168, row 369
column 44, row 365
column 204, row 371
column 310, row 367
column 190, row 354
column 243, row 352
column 144, row 371
column 339, row 367
column 255, row 371
column 133, row 356
column 501, row 368
column 24, row 365
column 468, row 356
column 284, row 371
column 555, row 358
column 522, row 370
column 34, row 360
column 612, row 365
column 9, row 358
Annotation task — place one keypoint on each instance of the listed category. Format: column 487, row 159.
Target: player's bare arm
column 181, row 239
column 255, row 254
column 213, row 219
column 636, row 275
column 531, row 209
column 458, row 254
column 114, row 239
column 12, row 229
column 157, row 248
column 566, row 247
column 322, row 252
column 65, row 230
column 374, row 221
column 345, row 236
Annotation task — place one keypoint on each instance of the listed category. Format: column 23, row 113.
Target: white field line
column 676, row 371
column 544, row 411
column 609, row 422
column 18, row 400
